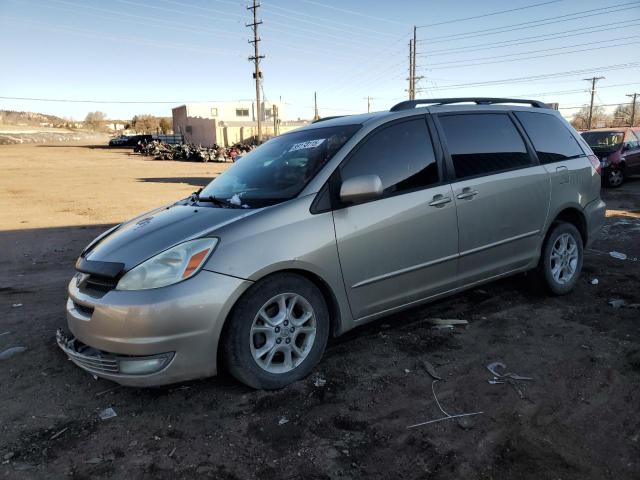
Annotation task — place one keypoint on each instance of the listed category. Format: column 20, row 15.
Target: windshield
column 279, row 169
column 603, row 140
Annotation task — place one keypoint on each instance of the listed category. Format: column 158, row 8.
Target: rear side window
column 550, row 137
column 401, row 155
column 631, row 141
column 481, row 144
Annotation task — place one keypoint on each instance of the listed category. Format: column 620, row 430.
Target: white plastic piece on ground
column 107, row 413
column 283, row 420
column 594, row 281
column 16, row 305
column 618, row 255
column 10, row 352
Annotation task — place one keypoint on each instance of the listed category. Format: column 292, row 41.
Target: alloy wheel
column 283, row 333
column 564, row 258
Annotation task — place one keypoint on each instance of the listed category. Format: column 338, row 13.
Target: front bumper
column 181, row 323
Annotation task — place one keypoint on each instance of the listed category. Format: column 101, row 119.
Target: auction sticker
column 307, row 144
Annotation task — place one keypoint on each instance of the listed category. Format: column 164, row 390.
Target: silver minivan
column 328, row 227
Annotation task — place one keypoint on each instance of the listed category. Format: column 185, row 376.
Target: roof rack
column 327, row 118
column 410, row 104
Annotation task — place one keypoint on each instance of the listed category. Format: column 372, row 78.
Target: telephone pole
column 315, row 106
column 593, row 81
column 410, row 89
column 257, row 74
column 413, row 72
column 368, row 99
column 633, row 107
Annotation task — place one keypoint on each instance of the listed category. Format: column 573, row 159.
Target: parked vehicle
column 328, row 227
column 618, row 150
column 129, row 140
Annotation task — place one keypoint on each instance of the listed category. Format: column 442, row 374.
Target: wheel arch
column 574, row 216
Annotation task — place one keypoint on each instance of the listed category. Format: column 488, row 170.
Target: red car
column 618, row 150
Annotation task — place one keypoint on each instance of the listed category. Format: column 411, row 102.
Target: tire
column 560, row 268
column 613, row 178
column 264, row 346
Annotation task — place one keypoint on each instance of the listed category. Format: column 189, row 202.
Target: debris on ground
column 107, row 413
column 594, row 281
column 431, row 370
column 319, row 382
column 618, row 255
column 499, row 377
column 447, row 416
column 104, row 392
column 447, row 321
column 16, row 305
column 617, row 302
column 10, row 352
column 56, row 435
column 283, row 420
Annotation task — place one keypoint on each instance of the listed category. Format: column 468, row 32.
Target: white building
column 224, row 123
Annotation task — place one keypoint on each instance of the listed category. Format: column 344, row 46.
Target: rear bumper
column 594, row 212
column 180, row 323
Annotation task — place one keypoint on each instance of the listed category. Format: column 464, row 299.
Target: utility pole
column 257, row 74
column 315, row 106
column 633, row 107
column 275, row 120
column 410, row 89
column 368, row 99
column 413, row 72
column 593, row 81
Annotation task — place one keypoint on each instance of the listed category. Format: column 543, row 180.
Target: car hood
column 153, row 232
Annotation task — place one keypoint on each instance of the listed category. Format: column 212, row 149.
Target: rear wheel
column 614, row 177
column 277, row 332
column 561, row 260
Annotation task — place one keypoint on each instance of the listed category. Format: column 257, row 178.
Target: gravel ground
column 578, row 418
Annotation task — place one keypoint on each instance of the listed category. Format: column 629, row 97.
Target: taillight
column 595, row 161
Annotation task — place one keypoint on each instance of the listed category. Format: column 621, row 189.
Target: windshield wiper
column 216, row 201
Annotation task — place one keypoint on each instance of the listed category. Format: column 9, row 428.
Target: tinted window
column 631, row 140
column 401, row 155
column 551, row 139
column 481, row 144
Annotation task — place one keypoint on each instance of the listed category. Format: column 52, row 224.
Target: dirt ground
column 578, row 419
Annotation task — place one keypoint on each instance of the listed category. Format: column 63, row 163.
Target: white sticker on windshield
column 307, row 144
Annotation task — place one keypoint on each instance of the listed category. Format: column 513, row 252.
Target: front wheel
column 277, row 332
column 561, row 260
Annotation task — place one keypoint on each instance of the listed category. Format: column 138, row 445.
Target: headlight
column 171, row 266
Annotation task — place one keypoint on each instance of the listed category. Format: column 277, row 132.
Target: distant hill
column 10, row 117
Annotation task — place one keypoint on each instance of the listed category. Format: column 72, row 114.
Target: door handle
column 439, row 201
column 467, row 193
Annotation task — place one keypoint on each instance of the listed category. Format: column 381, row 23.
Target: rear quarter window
column 551, row 139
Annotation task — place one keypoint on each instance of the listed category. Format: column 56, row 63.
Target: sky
column 164, row 53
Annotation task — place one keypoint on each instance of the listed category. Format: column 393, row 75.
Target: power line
column 499, row 12
column 352, row 12
column 460, row 64
column 326, row 20
column 546, row 76
column 509, row 43
column 530, row 24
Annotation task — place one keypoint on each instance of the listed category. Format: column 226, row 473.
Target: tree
column 580, row 119
column 94, row 120
column 165, row 125
column 145, row 124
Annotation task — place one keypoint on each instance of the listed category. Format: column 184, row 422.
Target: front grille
column 88, row 311
column 103, row 284
column 89, row 358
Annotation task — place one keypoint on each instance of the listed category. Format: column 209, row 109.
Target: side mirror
column 361, row 188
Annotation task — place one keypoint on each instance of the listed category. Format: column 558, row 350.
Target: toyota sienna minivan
column 328, row 227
